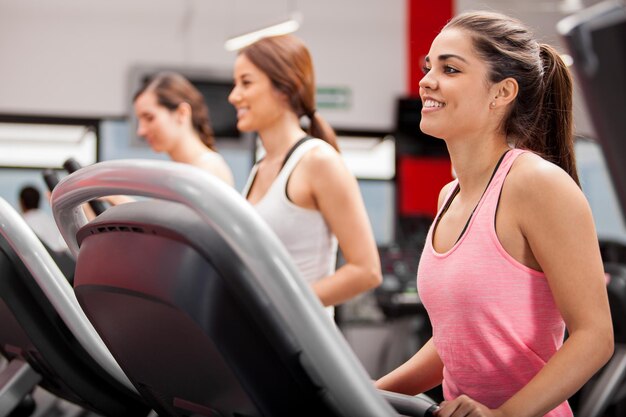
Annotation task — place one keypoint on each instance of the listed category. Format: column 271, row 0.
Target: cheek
column 165, row 124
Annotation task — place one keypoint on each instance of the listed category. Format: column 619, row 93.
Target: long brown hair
column 287, row 62
column 171, row 90
column 540, row 119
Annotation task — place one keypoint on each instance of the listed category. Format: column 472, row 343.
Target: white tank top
column 303, row 231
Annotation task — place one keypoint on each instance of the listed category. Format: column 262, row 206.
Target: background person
column 302, row 187
column 41, row 222
column 173, row 118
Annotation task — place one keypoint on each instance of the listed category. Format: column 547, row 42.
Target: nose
column 234, row 95
column 141, row 129
column 428, row 81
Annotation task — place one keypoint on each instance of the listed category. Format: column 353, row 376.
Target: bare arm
column 420, row 373
column 337, row 196
column 562, row 237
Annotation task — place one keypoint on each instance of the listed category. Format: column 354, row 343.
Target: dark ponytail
column 556, row 123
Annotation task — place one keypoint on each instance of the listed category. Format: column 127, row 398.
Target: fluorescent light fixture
column 34, row 145
column 283, row 28
column 21, row 132
column 570, row 6
column 369, row 158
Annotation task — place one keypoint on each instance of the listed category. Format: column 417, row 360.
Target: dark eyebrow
column 445, row 57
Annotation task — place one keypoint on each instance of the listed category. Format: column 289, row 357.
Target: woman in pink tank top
column 512, row 258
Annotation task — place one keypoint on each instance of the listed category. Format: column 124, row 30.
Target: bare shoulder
column 323, row 153
column 531, row 175
column 215, row 164
column 534, row 183
column 323, row 170
column 323, row 160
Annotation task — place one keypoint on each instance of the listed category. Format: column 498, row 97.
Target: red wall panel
column 425, row 20
column 419, row 180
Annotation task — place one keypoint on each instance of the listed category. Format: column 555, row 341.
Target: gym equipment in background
column 46, row 337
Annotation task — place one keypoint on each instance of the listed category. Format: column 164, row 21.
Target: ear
column 283, row 98
column 183, row 112
column 505, row 92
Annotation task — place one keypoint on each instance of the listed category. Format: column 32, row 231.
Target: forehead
column 453, row 41
column 243, row 66
column 147, row 98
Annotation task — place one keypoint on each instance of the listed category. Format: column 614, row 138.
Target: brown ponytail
column 320, row 128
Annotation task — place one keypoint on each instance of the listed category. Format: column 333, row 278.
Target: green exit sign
column 334, row 98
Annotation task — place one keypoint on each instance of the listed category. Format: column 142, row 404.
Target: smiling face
column 455, row 90
column 156, row 124
column 259, row 105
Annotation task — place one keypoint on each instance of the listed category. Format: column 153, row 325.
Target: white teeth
column 433, row 103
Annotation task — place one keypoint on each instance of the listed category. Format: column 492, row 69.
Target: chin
column 243, row 127
column 432, row 131
column 155, row 148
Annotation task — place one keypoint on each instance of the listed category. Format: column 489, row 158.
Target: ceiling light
column 282, row 28
column 567, row 60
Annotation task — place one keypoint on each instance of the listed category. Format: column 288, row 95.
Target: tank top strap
column 291, row 160
column 295, row 157
column 492, row 194
column 450, row 194
column 246, row 188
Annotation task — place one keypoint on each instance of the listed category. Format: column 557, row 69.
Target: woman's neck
column 280, row 137
column 474, row 162
column 188, row 149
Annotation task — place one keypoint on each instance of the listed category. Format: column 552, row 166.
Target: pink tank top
column 495, row 322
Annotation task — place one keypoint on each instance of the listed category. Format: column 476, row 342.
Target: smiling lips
column 431, row 104
column 241, row 112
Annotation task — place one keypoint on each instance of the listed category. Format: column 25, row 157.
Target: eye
column 425, row 69
column 450, row 70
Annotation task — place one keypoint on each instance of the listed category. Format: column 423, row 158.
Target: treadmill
column 201, row 305
column 45, row 336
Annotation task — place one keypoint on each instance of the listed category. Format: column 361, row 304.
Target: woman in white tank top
column 302, row 188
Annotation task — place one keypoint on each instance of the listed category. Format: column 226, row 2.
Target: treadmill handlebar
column 164, row 180
column 71, row 165
column 408, row 405
column 51, row 178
